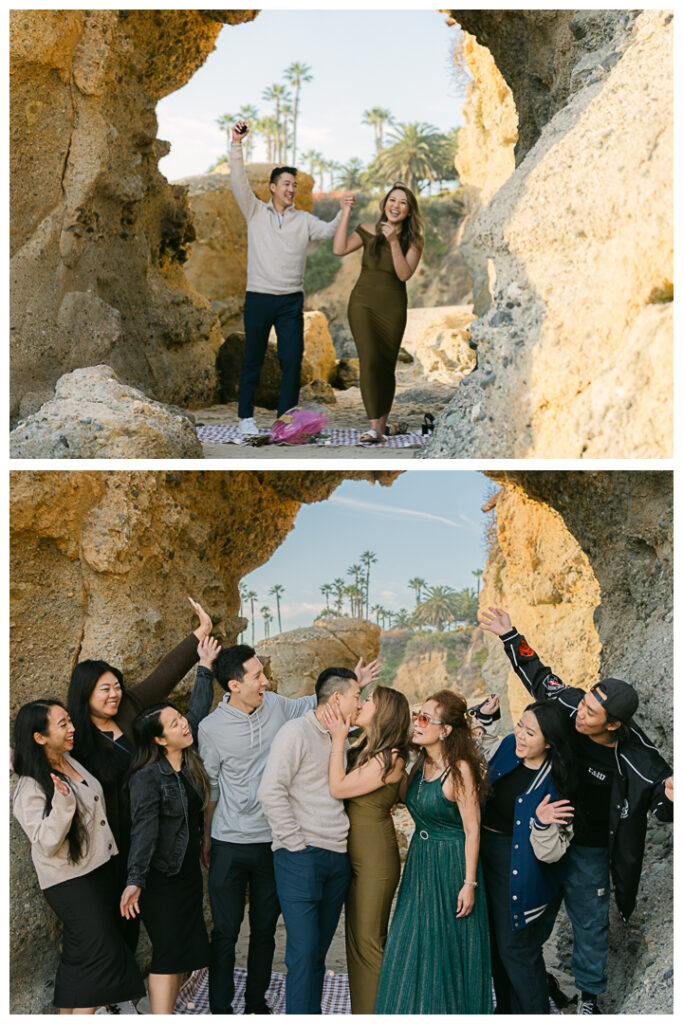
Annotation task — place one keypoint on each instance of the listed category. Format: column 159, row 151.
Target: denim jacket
column 158, row 803
column 160, row 825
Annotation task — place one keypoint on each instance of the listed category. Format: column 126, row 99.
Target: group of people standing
column 121, row 796
column 277, row 242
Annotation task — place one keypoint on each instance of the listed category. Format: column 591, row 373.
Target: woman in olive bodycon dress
column 376, row 766
column 378, row 305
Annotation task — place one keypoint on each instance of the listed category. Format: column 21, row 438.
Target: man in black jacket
column 621, row 777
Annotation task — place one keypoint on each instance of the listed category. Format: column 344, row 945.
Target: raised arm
column 538, row 679
column 173, row 666
column 239, row 183
column 201, row 697
column 342, row 245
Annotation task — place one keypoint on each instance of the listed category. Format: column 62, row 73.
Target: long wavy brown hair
column 412, row 230
column 460, row 743
column 388, row 732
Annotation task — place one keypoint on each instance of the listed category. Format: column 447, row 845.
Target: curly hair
column 459, row 745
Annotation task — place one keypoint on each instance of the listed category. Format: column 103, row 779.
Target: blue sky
column 429, row 523
column 359, row 59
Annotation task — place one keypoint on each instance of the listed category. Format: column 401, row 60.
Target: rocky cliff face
column 583, row 563
column 99, row 237
column 101, row 566
column 571, row 256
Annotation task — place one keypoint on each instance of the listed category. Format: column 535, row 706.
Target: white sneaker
column 247, row 427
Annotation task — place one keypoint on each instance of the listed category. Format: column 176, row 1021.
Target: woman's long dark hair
column 557, row 733
column 146, row 726
column 91, row 748
column 460, row 744
column 412, row 230
column 388, row 732
column 30, row 758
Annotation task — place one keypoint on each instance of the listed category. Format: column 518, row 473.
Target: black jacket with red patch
column 638, row 785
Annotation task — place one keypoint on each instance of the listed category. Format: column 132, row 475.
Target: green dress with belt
column 433, row 961
column 378, row 310
column 375, row 863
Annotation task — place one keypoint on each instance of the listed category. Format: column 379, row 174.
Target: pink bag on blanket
column 297, row 426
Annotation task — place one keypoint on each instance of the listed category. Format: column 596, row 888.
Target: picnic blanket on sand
column 194, row 995
column 229, row 434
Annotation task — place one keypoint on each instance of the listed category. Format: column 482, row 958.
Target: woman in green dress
column 437, row 957
column 378, row 304
column 370, row 785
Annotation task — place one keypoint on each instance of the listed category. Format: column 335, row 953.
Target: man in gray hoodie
column 234, row 743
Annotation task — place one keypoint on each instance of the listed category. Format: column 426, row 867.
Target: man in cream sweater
column 309, row 828
column 277, row 241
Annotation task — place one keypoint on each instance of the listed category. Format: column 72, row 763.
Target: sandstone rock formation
column 296, row 658
column 101, row 566
column 98, row 236
column 438, row 339
column 583, row 563
column 94, row 416
column 574, row 354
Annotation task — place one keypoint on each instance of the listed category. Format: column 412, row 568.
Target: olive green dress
column 376, row 867
column 377, row 316
column 435, row 962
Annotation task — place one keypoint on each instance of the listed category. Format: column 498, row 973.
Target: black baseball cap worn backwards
column 620, row 700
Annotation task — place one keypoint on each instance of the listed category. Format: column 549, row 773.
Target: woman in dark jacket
column 102, row 711
column 169, row 789
column 525, row 833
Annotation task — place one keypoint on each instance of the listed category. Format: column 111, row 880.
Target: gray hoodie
column 234, row 747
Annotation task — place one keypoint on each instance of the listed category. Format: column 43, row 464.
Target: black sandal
column 428, row 424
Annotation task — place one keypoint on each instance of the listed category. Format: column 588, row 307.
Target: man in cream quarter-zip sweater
column 309, row 828
column 277, row 241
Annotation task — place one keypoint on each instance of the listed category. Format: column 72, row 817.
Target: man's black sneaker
column 588, row 1003
column 559, row 998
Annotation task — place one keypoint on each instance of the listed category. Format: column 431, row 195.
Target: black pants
column 285, row 314
column 516, row 956
column 232, row 866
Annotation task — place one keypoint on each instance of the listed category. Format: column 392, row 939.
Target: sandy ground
column 414, row 397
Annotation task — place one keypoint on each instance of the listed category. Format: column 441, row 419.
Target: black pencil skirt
column 96, row 965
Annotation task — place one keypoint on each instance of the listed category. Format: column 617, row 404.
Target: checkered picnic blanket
column 194, row 995
column 229, row 434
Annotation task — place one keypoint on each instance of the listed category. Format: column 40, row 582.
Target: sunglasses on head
column 424, row 720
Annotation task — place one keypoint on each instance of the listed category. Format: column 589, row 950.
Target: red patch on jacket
column 525, row 650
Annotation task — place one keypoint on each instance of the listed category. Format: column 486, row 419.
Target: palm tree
column 413, row 156
column 376, row 610
column 286, row 114
column 278, row 95
column 276, row 590
column 248, row 112
column 267, row 126
column 326, row 589
column 402, row 618
column 350, row 176
column 416, row 584
column 440, row 606
column 267, row 616
column 251, row 596
column 376, row 118
column 339, row 585
column 296, row 74
column 333, row 167
column 367, row 559
column 478, row 574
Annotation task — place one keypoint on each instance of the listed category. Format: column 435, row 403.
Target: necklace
column 435, row 764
